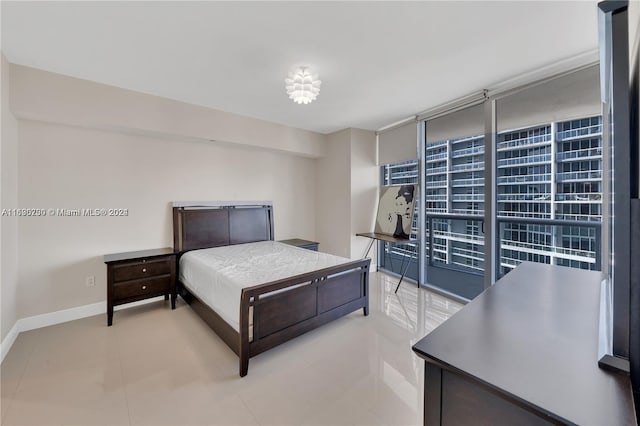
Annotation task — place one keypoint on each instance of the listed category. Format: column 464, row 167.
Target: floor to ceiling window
column 454, row 202
column 549, row 173
column 546, row 186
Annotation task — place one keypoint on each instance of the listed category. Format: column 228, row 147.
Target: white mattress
column 218, row 275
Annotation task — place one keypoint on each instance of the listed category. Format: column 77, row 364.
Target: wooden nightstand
column 309, row 245
column 139, row 275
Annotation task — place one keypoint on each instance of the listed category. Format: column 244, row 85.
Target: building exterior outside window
column 551, row 171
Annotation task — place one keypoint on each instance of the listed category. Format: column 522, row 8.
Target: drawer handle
column 144, row 269
column 144, row 287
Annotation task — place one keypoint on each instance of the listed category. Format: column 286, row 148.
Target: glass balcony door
column 549, row 173
column 526, row 167
column 454, row 181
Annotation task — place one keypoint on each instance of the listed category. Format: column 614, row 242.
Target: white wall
column 79, row 144
column 347, row 188
column 45, row 96
column 73, row 168
column 9, row 199
column 87, row 145
column 333, row 192
column 365, row 179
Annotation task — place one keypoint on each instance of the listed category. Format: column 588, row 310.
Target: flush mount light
column 302, row 85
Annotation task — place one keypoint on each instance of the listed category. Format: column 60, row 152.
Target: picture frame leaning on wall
column 395, row 210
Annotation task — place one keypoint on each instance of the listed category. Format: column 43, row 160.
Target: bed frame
column 280, row 317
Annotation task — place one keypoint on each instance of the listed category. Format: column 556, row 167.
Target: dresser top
column 130, row 255
column 533, row 337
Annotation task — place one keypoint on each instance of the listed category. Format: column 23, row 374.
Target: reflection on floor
column 161, row 367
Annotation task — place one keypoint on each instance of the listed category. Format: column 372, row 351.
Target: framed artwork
column 395, row 210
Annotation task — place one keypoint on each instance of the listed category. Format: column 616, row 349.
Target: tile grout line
column 249, row 410
column 124, row 385
column 24, row 370
column 340, row 330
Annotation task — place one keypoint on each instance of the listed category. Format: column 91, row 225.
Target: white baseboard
column 58, row 317
column 8, row 340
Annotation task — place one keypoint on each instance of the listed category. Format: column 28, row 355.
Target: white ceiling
column 379, row 62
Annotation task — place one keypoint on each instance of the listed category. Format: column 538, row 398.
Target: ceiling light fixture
column 302, row 85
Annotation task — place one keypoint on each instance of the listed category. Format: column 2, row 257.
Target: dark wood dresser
column 139, row 275
column 309, row 245
column 524, row 352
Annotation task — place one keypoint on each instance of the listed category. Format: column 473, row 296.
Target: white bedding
column 218, row 275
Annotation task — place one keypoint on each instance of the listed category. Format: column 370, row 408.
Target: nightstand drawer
column 141, row 288
column 138, row 275
column 137, row 270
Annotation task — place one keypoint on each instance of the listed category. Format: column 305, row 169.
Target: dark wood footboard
column 316, row 298
column 331, row 293
column 282, row 309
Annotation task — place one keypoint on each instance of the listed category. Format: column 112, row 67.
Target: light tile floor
column 155, row 366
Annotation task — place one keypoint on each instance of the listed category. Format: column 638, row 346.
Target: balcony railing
column 548, row 250
column 579, row 176
column 435, row 157
column 581, row 197
column 528, row 159
column 468, row 197
column 468, row 212
column 436, row 170
column 509, row 262
column 406, row 250
column 451, row 240
column 591, row 257
column 437, row 184
column 542, row 177
column 467, row 166
column 594, row 130
column 407, row 174
column 464, row 251
column 525, row 197
column 467, row 139
column 466, row 265
column 477, row 254
column 522, row 142
column 580, row 217
column 474, row 150
column 582, row 154
column 405, row 164
column 458, row 236
column 536, row 215
column 432, row 145
column 467, row 182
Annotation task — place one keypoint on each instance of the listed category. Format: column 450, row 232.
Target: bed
column 228, row 263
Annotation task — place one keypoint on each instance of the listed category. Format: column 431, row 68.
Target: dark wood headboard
column 196, row 227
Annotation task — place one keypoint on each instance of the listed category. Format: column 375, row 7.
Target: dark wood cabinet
column 309, row 245
column 139, row 275
column 524, row 352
